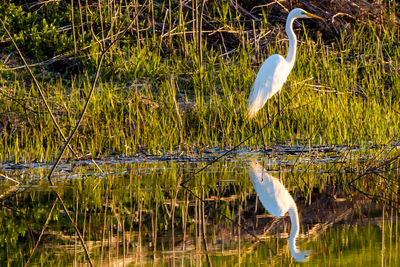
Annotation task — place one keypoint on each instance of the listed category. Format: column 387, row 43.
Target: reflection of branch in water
column 203, row 230
column 68, row 140
column 320, row 228
column 219, row 213
column 41, row 233
column 382, row 197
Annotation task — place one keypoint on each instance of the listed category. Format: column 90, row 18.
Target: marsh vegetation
column 159, row 93
column 155, row 173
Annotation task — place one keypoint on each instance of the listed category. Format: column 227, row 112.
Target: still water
column 247, row 209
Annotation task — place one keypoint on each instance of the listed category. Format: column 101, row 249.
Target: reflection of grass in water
column 363, row 245
column 139, row 203
column 345, row 93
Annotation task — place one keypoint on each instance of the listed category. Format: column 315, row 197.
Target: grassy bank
column 159, row 93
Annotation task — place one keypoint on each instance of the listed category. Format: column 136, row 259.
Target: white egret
column 277, row 201
column 275, row 70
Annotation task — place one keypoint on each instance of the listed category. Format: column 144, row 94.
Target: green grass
column 155, row 95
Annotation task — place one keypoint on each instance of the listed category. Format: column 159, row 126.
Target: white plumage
column 269, row 81
column 275, row 70
column 271, row 192
column 277, row 201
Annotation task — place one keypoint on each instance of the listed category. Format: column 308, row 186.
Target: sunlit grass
column 343, row 93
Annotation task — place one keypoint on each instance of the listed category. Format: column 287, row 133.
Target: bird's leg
column 279, row 103
column 262, row 136
column 262, row 132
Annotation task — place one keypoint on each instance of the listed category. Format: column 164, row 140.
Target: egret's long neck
column 294, row 219
column 291, row 57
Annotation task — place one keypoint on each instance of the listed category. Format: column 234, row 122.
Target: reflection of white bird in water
column 277, row 201
column 275, row 70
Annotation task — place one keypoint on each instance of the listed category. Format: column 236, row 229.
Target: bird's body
column 275, row 70
column 273, row 195
column 277, row 201
column 269, row 81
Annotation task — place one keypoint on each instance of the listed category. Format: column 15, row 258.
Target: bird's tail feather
column 251, row 111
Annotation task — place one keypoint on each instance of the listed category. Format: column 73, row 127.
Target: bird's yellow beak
column 313, row 16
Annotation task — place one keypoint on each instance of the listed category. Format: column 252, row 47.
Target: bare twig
column 18, row 101
column 67, row 141
column 269, row 4
column 8, row 178
column 242, row 10
column 100, row 61
column 268, row 123
column 341, row 14
column 39, row 88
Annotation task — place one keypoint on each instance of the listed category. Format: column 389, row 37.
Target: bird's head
column 301, row 13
